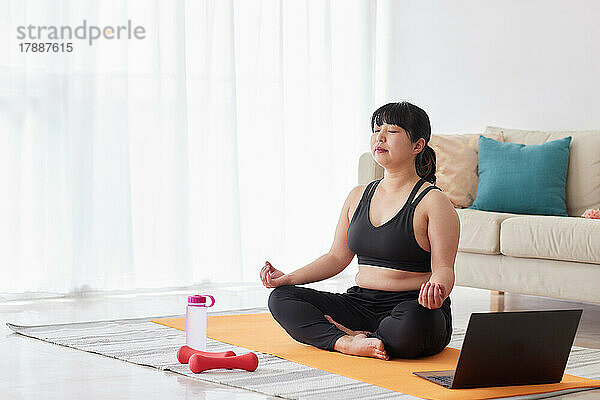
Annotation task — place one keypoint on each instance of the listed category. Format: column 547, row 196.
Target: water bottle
column 195, row 321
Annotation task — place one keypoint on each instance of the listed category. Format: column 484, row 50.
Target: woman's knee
column 412, row 333
column 278, row 296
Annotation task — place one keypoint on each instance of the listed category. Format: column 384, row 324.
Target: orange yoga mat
column 260, row 332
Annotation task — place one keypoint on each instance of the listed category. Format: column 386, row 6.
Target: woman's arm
column 322, row 268
column 443, row 230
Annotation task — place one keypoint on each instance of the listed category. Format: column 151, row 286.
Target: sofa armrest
column 368, row 169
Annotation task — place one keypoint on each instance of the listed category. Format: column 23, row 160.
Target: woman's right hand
column 272, row 277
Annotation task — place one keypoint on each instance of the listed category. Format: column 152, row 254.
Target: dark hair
column 415, row 122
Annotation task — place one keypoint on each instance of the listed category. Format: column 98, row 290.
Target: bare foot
column 343, row 328
column 361, row 345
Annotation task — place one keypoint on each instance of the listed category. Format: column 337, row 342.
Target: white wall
column 520, row 64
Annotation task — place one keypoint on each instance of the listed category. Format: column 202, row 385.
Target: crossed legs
column 302, row 313
column 409, row 330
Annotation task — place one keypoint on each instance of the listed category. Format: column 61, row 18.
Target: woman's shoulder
column 358, row 190
column 355, row 195
column 437, row 201
column 435, row 195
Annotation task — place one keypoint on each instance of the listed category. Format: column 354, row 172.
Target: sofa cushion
column 523, row 179
column 550, row 278
column 551, row 237
column 583, row 174
column 480, row 230
column 456, row 165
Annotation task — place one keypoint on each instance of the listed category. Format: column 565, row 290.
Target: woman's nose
column 381, row 133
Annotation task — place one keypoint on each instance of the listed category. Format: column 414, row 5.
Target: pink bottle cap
column 200, row 301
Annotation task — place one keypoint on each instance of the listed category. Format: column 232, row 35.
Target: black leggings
column 406, row 328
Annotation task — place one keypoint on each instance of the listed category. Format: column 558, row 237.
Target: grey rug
column 142, row 342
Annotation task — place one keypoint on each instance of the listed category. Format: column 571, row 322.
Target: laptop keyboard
column 445, row 380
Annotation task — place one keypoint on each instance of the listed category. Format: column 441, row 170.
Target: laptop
column 512, row 348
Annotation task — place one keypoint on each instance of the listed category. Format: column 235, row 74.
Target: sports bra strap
column 368, row 190
column 423, row 193
column 415, row 190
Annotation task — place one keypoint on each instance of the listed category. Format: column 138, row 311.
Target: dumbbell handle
column 185, row 352
column 199, row 362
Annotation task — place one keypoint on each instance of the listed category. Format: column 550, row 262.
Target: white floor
column 31, row 368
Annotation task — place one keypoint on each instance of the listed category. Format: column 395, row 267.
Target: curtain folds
column 228, row 136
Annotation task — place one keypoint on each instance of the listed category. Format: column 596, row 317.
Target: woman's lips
column 380, row 151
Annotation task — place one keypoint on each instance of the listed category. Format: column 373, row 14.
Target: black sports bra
column 393, row 244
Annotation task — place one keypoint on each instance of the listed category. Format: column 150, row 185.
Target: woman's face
column 394, row 139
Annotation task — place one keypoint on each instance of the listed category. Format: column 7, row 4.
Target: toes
column 381, row 354
column 379, row 349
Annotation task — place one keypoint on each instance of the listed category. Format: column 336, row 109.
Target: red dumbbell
column 199, row 362
column 185, row 352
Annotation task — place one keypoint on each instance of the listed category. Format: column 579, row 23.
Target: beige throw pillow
column 456, row 165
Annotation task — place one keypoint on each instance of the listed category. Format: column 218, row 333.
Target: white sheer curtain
column 229, row 136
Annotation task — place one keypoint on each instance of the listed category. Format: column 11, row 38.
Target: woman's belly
column 381, row 278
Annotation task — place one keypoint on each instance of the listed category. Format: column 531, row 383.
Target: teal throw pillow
column 522, row 179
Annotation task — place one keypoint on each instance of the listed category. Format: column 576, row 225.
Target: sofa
column 541, row 255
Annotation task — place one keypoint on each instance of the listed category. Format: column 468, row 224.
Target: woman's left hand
column 432, row 295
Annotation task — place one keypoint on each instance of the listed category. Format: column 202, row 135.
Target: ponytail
column 425, row 164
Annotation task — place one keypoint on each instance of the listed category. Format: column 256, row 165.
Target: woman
column 405, row 234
